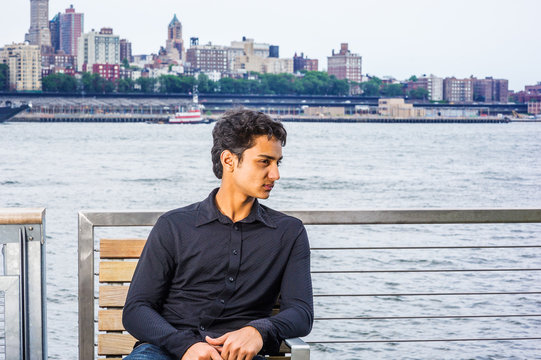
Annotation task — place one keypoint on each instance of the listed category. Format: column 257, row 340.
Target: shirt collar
column 208, row 212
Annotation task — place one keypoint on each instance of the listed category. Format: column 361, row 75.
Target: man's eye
column 265, row 162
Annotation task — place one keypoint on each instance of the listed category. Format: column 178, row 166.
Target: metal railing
column 22, row 284
column 89, row 220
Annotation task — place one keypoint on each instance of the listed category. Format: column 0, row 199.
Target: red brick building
column 490, row 90
column 106, row 71
column 345, row 64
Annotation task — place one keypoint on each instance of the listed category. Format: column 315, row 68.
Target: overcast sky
column 499, row 38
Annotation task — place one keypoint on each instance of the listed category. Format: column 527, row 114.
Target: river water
column 69, row 167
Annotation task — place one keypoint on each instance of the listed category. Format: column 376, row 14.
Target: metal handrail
column 88, row 220
column 22, row 282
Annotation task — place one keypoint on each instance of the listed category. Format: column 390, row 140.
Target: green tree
column 125, row 85
column 392, row 90
column 146, row 85
column 4, row 77
column 371, row 87
column 226, row 85
column 125, row 63
column 59, row 83
column 413, row 78
column 204, row 84
column 419, row 93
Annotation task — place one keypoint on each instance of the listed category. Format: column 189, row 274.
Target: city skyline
column 395, row 38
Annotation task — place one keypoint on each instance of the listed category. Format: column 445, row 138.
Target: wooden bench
column 118, row 259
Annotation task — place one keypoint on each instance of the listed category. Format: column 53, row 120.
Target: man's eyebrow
column 270, row 157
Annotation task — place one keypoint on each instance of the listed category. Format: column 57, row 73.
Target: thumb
column 217, row 341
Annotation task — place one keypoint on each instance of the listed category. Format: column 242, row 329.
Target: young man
column 211, row 272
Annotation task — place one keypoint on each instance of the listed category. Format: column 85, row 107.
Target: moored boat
column 191, row 115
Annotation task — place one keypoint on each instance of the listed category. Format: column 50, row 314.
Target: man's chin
column 264, row 195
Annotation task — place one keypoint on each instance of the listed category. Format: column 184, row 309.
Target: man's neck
column 232, row 204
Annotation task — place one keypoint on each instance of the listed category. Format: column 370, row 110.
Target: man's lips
column 268, row 187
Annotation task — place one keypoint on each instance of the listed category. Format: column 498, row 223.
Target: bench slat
column 110, row 320
column 113, row 296
column 121, row 248
column 115, row 344
column 117, row 271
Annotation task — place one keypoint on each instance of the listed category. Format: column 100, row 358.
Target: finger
column 225, row 353
column 217, row 341
column 214, row 355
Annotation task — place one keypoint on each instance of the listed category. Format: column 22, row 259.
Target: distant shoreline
column 157, row 118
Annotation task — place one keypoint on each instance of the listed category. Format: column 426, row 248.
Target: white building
column 237, row 49
column 435, row 88
column 24, row 63
column 98, row 48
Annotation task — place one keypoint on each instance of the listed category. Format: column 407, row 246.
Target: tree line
column 311, row 83
column 376, row 87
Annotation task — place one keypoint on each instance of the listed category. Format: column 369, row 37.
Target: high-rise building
column 490, row 90
column 345, row 64
column 98, row 48
column 54, row 28
column 71, row 28
column 207, row 58
column 458, row 90
column 304, row 63
column 174, row 44
column 39, row 33
column 24, row 63
column 125, row 50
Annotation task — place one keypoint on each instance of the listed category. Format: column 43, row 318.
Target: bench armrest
column 299, row 349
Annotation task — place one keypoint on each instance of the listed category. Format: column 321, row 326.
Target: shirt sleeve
column 296, row 314
column 148, row 288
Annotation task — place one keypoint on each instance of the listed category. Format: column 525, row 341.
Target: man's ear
column 228, row 160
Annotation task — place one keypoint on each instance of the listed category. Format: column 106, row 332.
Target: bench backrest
column 118, row 258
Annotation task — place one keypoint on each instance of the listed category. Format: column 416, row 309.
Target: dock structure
column 398, row 120
column 157, row 118
column 160, row 107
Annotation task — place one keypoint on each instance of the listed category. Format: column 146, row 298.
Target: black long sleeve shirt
column 201, row 274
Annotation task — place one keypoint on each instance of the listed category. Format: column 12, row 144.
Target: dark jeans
column 152, row 352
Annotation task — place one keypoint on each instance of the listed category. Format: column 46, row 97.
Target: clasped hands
column 242, row 344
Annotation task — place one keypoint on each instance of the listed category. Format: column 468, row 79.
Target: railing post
column 86, row 288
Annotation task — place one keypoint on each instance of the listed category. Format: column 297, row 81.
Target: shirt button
column 236, row 227
column 231, row 279
column 235, row 252
column 222, row 301
column 202, row 327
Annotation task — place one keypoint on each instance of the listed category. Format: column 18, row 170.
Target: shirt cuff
column 181, row 341
column 271, row 343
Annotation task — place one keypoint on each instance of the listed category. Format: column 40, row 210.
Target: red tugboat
column 190, row 115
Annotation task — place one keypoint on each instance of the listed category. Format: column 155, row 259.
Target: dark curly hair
column 235, row 131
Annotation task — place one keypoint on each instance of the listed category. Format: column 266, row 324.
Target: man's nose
column 274, row 173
